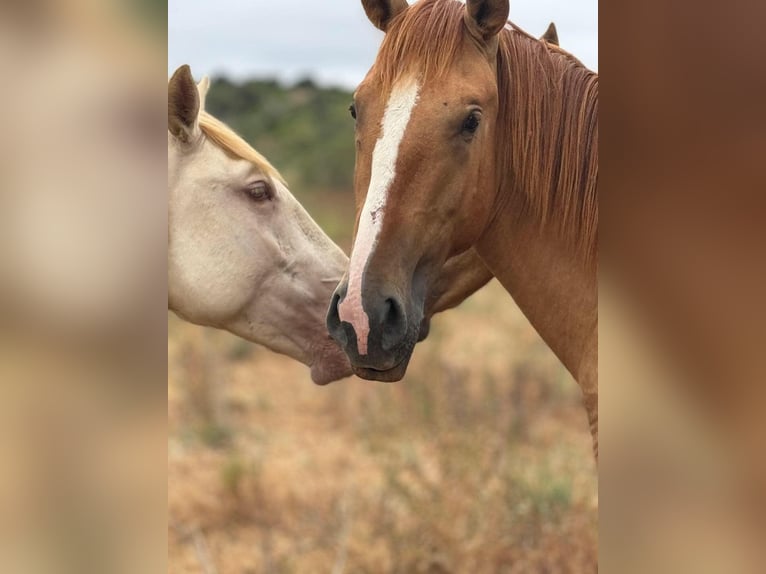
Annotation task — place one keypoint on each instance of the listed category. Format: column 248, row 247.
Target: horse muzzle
column 378, row 336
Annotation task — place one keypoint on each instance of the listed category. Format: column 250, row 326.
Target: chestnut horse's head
column 426, row 174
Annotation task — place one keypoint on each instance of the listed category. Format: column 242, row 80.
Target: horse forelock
column 423, row 40
column 231, row 143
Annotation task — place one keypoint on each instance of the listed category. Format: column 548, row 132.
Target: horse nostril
column 333, row 314
column 333, row 321
column 392, row 313
column 394, row 324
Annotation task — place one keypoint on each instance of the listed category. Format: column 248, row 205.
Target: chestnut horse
column 471, row 133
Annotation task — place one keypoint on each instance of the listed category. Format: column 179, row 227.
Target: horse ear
column 203, row 87
column 551, row 35
column 486, row 18
column 381, row 12
column 183, row 104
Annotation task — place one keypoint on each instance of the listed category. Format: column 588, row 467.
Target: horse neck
column 555, row 291
column 549, row 282
column 544, row 262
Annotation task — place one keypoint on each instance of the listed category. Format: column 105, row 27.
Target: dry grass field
column 479, row 461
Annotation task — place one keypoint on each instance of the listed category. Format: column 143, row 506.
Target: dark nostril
column 394, row 324
column 333, row 321
column 392, row 313
column 335, row 302
column 333, row 315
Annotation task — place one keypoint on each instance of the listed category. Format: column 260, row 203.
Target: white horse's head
column 243, row 254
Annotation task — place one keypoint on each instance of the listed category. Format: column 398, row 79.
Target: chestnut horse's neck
column 547, row 264
column 551, row 285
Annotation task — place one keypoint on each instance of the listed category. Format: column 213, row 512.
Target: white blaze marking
column 402, row 101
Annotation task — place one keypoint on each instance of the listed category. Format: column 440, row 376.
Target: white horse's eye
column 259, row 191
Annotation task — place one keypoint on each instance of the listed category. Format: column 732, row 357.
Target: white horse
column 243, row 254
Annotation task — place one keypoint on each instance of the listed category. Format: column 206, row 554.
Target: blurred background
column 478, row 461
column 83, row 235
column 331, row 42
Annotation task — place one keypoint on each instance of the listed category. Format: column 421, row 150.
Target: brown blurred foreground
column 82, row 288
column 479, row 461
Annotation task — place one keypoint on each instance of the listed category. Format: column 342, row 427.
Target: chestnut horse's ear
column 486, row 18
column 183, row 104
column 381, row 12
column 551, row 35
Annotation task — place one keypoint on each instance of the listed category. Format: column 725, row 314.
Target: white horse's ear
column 203, row 87
column 183, row 105
column 381, row 12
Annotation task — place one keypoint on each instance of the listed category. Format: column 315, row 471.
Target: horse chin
column 330, row 364
column 425, row 328
column 391, row 369
column 388, row 376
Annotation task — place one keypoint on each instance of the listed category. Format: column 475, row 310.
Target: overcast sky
column 330, row 40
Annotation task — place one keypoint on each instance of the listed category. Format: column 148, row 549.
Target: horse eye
column 259, row 191
column 352, row 109
column 471, row 123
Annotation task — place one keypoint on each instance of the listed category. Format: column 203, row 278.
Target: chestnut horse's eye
column 352, row 109
column 259, row 191
column 471, row 123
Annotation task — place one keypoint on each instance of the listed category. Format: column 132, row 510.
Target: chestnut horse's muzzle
column 379, row 344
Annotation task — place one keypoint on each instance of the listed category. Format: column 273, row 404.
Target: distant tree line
column 305, row 130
